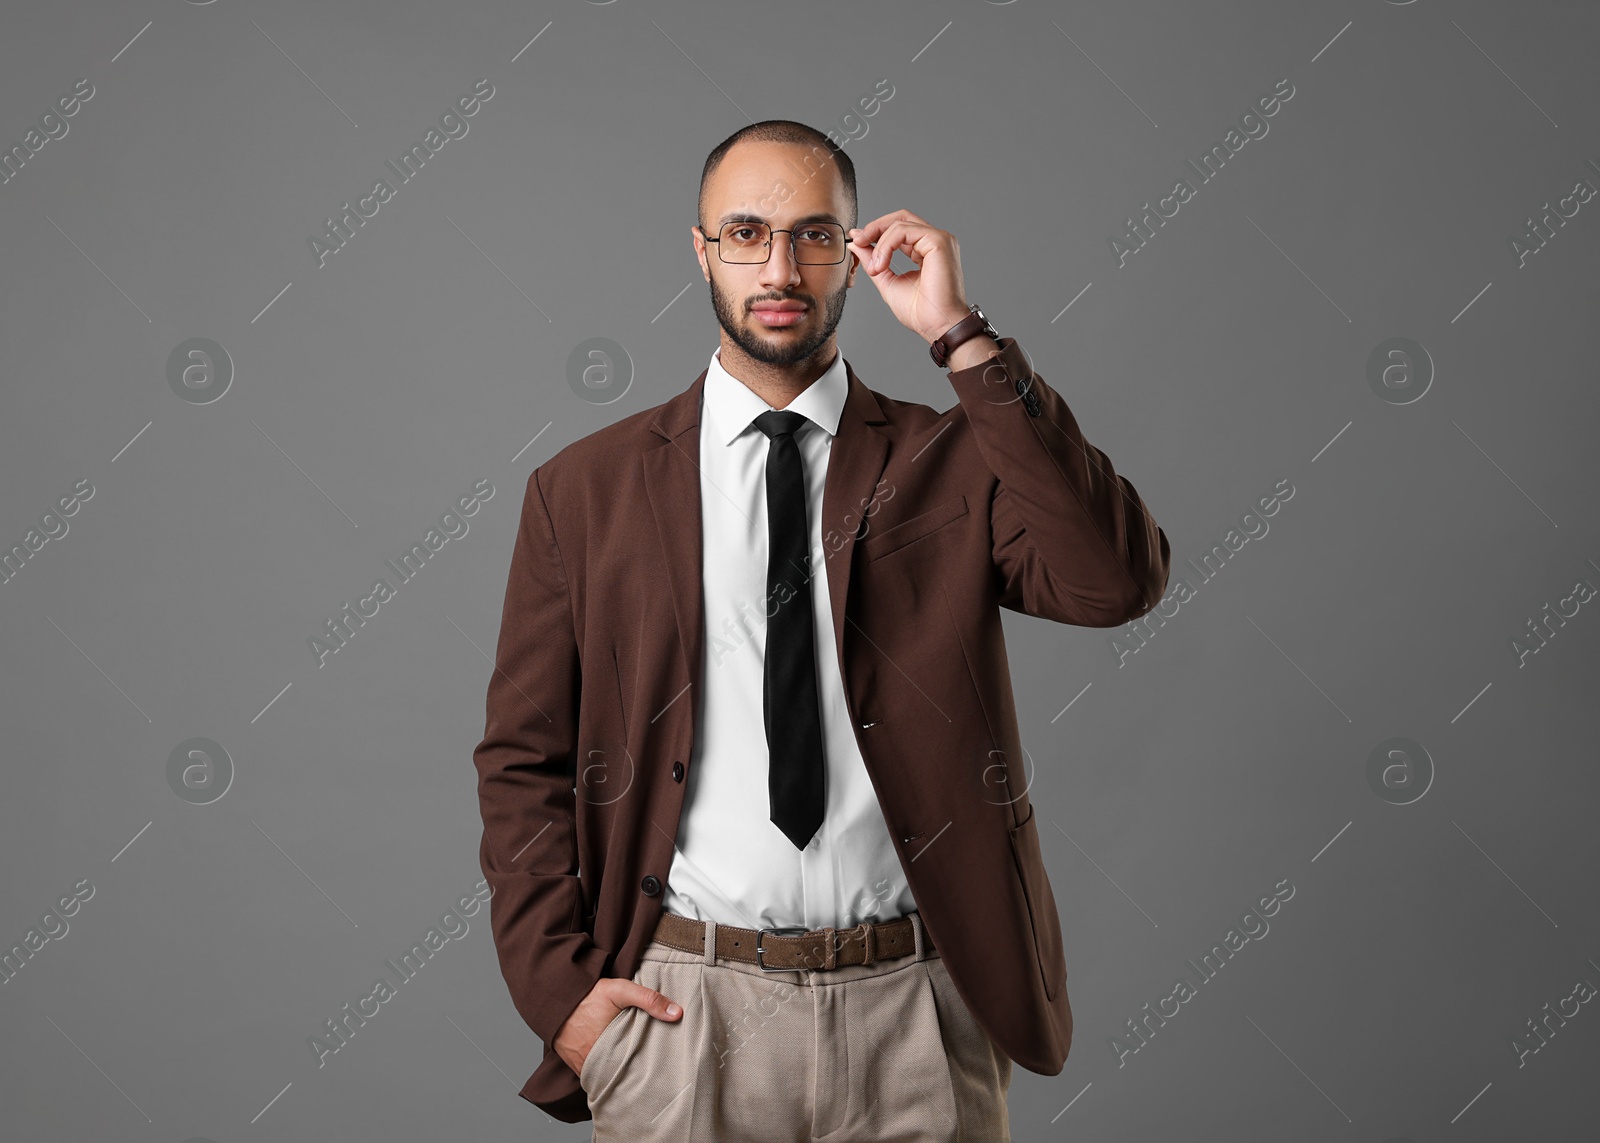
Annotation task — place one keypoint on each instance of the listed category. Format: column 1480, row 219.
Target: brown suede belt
column 791, row 949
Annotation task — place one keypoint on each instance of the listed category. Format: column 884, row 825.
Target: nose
column 780, row 268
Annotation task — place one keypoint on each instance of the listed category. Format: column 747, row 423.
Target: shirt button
column 677, row 771
column 650, row 885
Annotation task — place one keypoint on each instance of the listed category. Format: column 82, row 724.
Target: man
column 751, row 677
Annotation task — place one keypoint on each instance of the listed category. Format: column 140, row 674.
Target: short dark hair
column 823, row 149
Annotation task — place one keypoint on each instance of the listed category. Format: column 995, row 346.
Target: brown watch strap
column 966, row 329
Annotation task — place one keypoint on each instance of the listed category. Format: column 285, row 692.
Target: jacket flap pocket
column 892, row 539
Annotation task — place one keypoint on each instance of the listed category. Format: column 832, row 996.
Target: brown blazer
column 932, row 522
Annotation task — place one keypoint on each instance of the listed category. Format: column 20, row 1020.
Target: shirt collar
column 730, row 406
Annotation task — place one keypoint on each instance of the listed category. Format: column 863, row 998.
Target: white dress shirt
column 732, row 864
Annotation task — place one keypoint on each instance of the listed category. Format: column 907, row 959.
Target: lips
column 776, row 315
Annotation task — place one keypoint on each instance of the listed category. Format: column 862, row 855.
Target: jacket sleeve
column 526, row 767
column 1072, row 540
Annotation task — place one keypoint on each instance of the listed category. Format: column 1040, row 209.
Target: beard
column 776, row 347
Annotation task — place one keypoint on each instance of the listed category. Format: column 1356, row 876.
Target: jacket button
column 677, row 771
column 650, row 885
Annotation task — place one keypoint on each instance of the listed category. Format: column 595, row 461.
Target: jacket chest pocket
column 880, row 543
column 1041, row 904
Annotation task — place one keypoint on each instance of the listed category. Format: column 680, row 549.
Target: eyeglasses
column 813, row 243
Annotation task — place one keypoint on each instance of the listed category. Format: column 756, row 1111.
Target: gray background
column 1181, row 784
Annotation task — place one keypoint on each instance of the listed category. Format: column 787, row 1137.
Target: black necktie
column 793, row 717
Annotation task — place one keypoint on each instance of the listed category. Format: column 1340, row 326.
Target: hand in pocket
column 605, row 1001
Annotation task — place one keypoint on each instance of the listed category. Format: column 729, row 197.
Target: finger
column 911, row 238
column 650, row 1000
column 883, row 248
column 908, row 216
column 870, row 232
column 916, row 239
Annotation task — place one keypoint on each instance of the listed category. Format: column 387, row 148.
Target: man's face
column 768, row 180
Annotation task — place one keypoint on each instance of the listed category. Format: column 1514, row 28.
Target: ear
column 700, row 245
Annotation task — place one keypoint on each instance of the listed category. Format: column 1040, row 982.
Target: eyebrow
column 741, row 217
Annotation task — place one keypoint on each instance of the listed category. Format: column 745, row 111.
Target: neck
column 777, row 385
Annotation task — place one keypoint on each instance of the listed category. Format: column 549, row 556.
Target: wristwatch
column 966, row 329
column 971, row 326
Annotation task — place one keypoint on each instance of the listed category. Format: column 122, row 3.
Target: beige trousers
column 856, row 1054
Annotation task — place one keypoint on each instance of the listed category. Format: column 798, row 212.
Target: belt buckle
column 786, row 930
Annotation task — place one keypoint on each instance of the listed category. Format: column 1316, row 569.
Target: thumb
column 650, row 1000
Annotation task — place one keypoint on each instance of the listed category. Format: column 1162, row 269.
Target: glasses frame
column 773, row 232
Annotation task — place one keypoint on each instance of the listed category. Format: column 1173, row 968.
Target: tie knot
column 779, row 423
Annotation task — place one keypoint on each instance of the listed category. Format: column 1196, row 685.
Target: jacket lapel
column 672, row 481
column 856, row 461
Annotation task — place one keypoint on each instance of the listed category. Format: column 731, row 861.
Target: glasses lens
column 819, row 243
column 744, row 242
column 815, row 243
